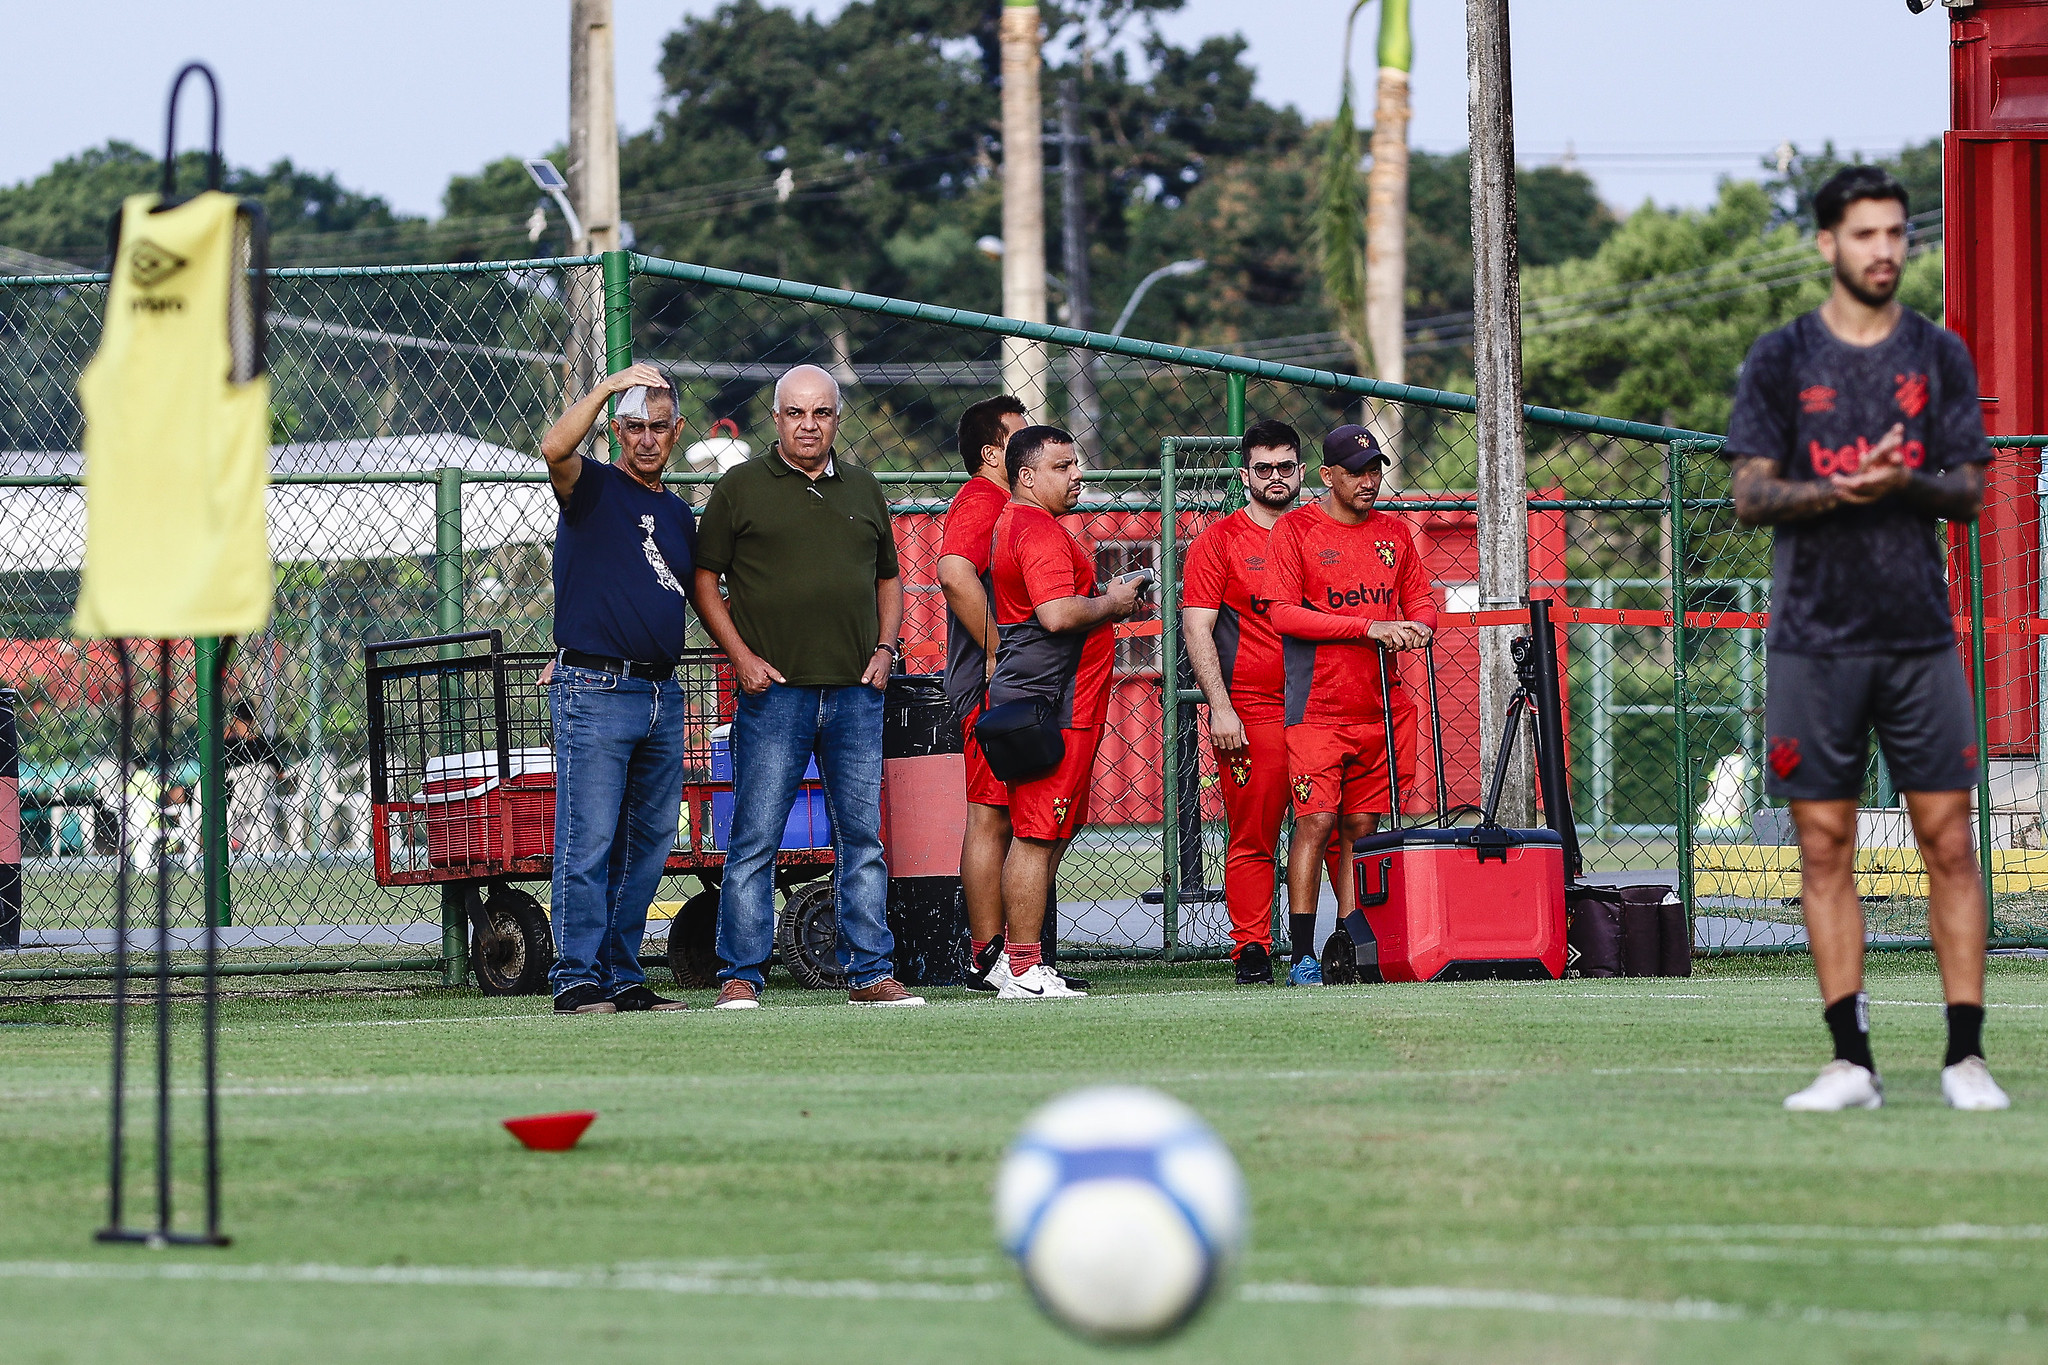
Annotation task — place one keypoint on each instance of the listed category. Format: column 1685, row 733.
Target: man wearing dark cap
column 1347, row 583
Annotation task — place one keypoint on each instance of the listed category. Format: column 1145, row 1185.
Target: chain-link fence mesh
column 409, row 402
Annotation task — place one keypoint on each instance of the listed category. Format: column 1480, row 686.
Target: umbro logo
column 149, row 265
column 1328, row 557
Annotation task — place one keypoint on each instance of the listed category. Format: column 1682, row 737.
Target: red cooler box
column 1467, row 904
column 472, row 817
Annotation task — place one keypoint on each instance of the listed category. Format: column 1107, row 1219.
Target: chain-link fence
column 409, row 402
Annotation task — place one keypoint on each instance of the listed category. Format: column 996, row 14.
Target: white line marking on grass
column 1590, row 1306
column 1793, row 1232
column 1920, row 1004
column 1404, row 1297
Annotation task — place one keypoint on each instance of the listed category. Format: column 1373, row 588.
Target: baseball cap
column 1353, row 449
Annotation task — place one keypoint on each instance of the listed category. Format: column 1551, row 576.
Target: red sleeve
column 1045, row 558
column 970, row 528
column 1418, row 599
column 1283, row 578
column 1201, row 581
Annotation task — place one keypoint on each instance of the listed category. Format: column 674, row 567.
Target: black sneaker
column 985, row 962
column 640, row 998
column 584, row 999
column 1076, row 983
column 1254, row 965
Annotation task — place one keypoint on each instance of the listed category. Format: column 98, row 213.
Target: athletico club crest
column 1240, row 770
column 1387, row 551
column 1304, row 790
column 1784, row 756
column 1912, row 393
column 1060, row 809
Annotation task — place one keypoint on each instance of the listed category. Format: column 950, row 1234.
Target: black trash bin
column 924, row 814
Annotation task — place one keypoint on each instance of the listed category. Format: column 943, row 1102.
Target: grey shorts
column 1819, row 711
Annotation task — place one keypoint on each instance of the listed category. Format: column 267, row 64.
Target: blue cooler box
column 809, row 826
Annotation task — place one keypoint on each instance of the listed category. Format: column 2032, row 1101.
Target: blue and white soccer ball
column 1122, row 1209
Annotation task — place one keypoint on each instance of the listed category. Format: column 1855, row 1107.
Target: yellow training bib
column 176, row 451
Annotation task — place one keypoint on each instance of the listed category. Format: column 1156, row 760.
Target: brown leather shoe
column 887, row 992
column 738, row 995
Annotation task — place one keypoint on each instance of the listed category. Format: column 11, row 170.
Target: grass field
column 1586, row 1171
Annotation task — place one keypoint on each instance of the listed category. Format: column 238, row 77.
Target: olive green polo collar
column 780, row 465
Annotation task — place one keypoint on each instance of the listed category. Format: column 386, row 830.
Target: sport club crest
column 1784, row 755
column 1240, row 769
column 1304, row 790
column 1060, row 809
column 1911, row 393
column 1387, row 551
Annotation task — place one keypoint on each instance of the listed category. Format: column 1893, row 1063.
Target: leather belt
column 625, row 668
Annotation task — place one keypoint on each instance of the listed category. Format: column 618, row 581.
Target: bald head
column 810, row 380
column 806, row 416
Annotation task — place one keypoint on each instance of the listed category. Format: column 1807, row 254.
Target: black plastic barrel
column 927, row 915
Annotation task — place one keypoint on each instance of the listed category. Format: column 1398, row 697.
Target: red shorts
column 1055, row 805
column 1343, row 768
column 982, row 787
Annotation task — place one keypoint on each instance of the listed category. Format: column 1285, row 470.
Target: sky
column 1655, row 99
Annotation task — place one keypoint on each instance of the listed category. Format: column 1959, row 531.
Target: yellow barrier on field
column 1771, row 871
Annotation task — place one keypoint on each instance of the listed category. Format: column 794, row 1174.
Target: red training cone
column 551, row 1132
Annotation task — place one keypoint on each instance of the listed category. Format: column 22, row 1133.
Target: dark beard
column 1866, row 297
column 1281, row 506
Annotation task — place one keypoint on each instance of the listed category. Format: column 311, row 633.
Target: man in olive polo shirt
column 809, row 618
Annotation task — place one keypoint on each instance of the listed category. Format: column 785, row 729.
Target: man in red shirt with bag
column 1347, row 583
column 985, row 432
column 1235, row 654
column 1054, row 654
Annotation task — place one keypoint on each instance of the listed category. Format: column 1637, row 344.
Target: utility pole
column 1497, row 374
column 593, row 174
column 1084, row 404
column 1024, row 362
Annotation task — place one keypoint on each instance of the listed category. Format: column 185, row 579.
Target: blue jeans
column 618, row 792
column 773, row 737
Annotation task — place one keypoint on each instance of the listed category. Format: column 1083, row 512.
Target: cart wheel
column 693, row 943
column 520, row 966
column 1340, row 962
column 807, row 936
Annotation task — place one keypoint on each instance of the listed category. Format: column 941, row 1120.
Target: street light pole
column 1174, row 269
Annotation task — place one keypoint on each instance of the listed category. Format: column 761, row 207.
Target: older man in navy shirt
column 624, row 549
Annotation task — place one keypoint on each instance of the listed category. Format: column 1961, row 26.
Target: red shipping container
column 472, row 817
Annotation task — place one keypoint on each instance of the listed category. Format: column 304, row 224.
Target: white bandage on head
column 633, row 403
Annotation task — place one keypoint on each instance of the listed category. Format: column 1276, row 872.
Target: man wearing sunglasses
column 1236, row 657
column 624, row 549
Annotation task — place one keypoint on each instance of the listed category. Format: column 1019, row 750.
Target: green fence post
column 1675, row 483
column 448, row 621
column 213, row 787
column 1978, row 693
column 618, row 325
column 1169, row 703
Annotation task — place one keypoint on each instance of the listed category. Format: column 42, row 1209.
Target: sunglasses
column 1286, row 469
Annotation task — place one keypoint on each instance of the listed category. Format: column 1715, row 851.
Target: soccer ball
column 1122, row 1209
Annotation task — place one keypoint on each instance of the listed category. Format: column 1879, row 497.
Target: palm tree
column 1363, row 240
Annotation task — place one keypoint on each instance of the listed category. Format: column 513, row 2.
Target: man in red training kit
column 985, row 431
column 1054, row 648
column 1346, row 583
column 1235, row 654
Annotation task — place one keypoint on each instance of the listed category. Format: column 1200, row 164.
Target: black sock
column 1849, row 1020
column 1302, row 930
column 1965, row 1033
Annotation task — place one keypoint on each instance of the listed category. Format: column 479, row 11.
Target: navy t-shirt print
column 1871, row 579
column 624, row 555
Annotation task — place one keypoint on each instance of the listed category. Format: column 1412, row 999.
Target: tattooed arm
column 1953, row 495
column 1764, row 497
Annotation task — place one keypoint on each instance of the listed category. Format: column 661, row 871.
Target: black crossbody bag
column 1020, row 739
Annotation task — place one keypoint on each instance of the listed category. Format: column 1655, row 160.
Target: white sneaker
column 1840, row 1085
column 1968, row 1085
column 1039, row 983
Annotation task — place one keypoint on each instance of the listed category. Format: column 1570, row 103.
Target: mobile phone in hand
column 1144, row 578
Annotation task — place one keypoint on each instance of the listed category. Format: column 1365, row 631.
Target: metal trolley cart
column 462, row 785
